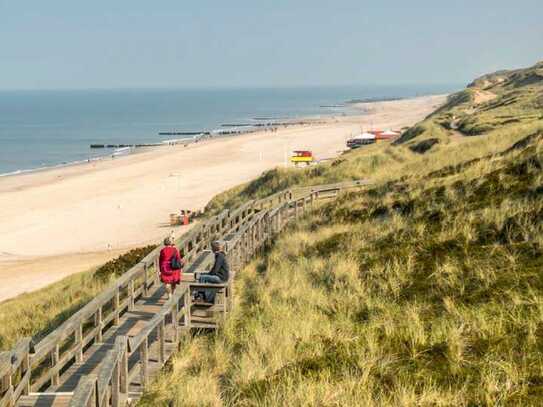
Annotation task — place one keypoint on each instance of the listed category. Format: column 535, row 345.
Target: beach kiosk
column 360, row 140
column 302, row 156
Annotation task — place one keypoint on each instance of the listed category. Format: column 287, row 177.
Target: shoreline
column 346, row 109
column 54, row 219
column 208, row 136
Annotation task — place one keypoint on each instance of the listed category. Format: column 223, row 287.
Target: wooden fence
column 39, row 374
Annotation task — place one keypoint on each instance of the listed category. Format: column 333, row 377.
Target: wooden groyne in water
column 125, row 145
column 194, row 136
column 108, row 351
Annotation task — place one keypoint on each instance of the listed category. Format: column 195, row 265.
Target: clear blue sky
column 119, row 43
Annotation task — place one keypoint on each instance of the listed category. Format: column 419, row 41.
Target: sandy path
column 48, row 219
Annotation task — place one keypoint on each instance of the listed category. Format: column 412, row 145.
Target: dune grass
column 37, row 313
column 425, row 292
column 424, row 289
column 497, row 102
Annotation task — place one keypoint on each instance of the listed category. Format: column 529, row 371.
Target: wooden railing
column 15, row 372
column 33, row 368
column 109, row 386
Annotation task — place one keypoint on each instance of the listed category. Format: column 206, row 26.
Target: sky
column 61, row 44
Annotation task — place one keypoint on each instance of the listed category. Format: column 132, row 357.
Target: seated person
column 219, row 273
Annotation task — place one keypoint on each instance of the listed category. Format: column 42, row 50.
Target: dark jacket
column 220, row 267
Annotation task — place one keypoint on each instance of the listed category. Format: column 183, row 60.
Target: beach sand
column 67, row 220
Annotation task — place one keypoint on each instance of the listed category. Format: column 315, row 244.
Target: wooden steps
column 45, row 400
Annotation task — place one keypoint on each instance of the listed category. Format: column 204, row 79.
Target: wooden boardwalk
column 109, row 350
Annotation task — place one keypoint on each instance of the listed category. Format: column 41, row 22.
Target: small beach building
column 366, row 138
column 361, row 139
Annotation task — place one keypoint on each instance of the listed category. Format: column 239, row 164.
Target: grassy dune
column 38, row 313
column 491, row 105
column 425, row 289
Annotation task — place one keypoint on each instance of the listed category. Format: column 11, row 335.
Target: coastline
column 209, row 136
column 63, row 220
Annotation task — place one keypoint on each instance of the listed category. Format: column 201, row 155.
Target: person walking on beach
column 170, row 265
column 219, row 274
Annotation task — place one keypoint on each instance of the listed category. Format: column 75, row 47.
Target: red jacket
column 167, row 275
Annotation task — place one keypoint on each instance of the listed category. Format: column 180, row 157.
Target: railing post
column 116, row 386
column 98, row 323
column 175, row 323
column 251, row 239
column 161, row 342
column 249, row 244
column 94, row 397
column 255, row 237
column 55, row 356
column 26, row 367
column 124, row 369
column 146, row 277
column 230, row 296
column 131, row 295
column 6, row 387
column 144, row 360
column 187, row 302
column 79, row 342
column 157, row 270
column 243, row 248
column 116, row 310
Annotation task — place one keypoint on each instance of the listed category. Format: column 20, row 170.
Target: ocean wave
column 51, row 167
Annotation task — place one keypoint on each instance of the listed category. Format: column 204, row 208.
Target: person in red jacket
column 170, row 265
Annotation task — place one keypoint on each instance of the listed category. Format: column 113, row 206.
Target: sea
column 43, row 129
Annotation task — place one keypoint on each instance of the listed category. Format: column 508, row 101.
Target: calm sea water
column 47, row 128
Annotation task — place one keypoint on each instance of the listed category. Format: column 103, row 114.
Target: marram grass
column 421, row 293
column 426, row 289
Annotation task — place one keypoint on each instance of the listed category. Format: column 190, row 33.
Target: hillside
column 424, row 289
column 492, row 104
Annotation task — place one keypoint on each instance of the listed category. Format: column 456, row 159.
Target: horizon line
column 233, row 87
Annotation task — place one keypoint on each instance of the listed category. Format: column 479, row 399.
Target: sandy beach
column 67, row 220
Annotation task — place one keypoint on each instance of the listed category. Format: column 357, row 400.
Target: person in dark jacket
column 219, row 273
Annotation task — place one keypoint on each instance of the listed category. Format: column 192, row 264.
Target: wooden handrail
column 135, row 341
column 208, row 285
column 85, row 393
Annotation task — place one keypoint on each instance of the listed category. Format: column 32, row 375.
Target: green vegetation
column 425, row 289
column 121, row 264
column 38, row 313
column 494, row 103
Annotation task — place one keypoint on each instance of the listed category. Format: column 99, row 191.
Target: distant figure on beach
column 170, row 265
column 219, row 274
